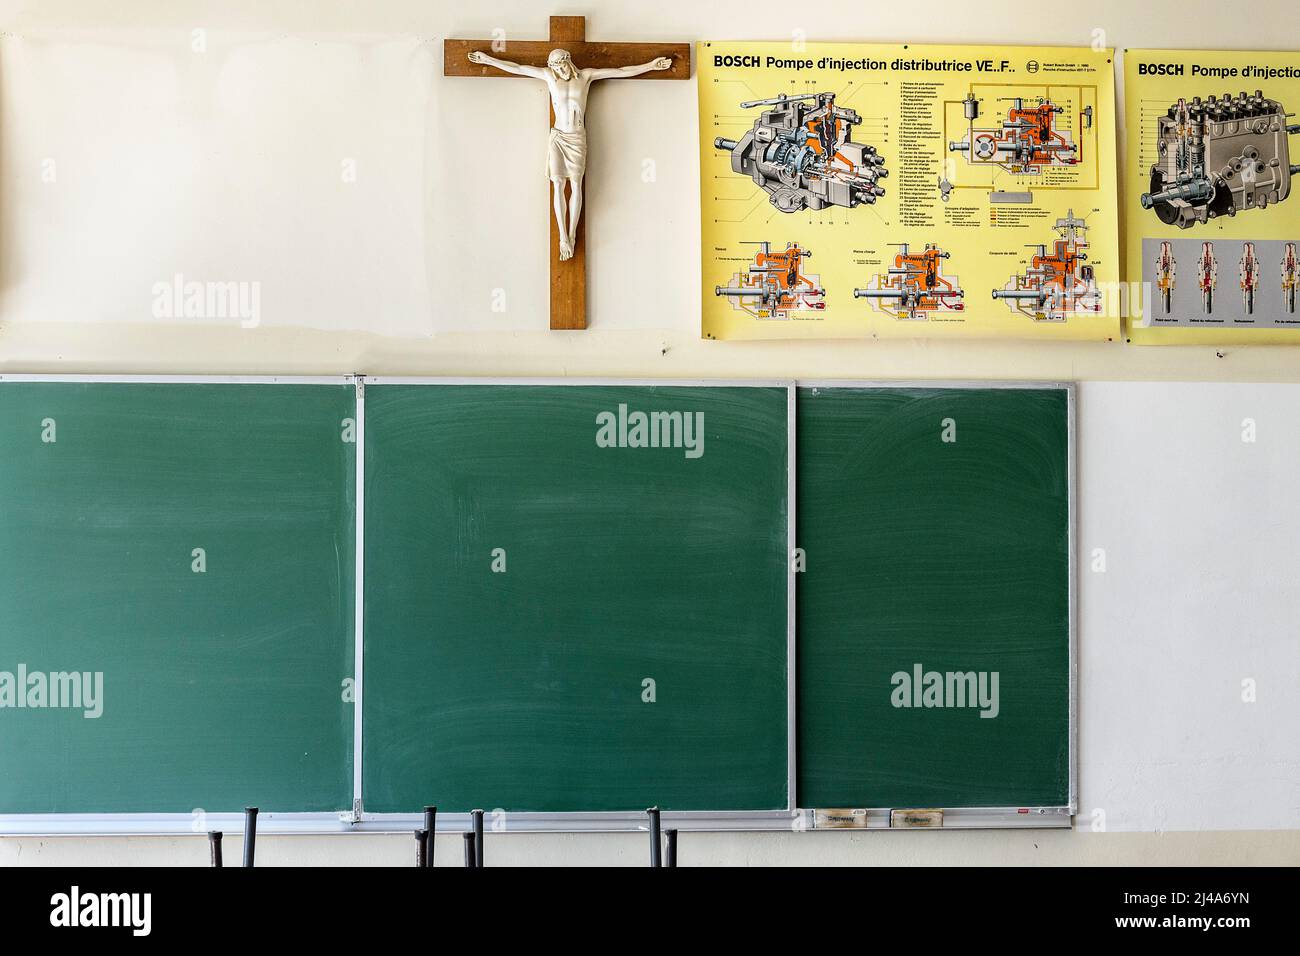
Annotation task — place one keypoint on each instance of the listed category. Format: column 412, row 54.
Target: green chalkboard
column 193, row 544
column 522, row 686
column 936, row 524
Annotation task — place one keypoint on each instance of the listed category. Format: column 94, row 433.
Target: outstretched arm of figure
column 518, row 69
column 614, row 73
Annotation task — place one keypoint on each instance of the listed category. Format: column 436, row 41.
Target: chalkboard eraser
column 915, row 818
column 840, row 819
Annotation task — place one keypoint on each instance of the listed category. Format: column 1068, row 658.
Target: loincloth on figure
column 566, row 155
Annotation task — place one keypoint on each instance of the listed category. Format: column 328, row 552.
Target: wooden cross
column 568, row 276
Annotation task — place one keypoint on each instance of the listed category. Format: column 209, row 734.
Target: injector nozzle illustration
column 1207, row 276
column 1248, row 277
column 1166, row 276
column 1290, row 277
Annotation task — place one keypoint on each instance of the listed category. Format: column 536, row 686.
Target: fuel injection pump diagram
column 1290, row 277
column 1248, row 277
column 914, row 286
column 1220, row 157
column 1027, row 141
column 1057, row 283
column 775, row 285
column 800, row 153
column 923, row 177
column 1207, row 276
column 1166, row 276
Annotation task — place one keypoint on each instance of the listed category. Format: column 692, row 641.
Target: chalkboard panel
column 186, row 551
column 568, row 607
column 936, row 523
column 559, row 620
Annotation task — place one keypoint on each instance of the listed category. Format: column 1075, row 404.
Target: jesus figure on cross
column 566, row 159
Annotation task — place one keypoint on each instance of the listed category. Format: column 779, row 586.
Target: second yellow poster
column 874, row 191
column 1212, row 234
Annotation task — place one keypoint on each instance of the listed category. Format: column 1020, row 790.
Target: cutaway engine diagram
column 1028, row 140
column 1290, row 277
column 1207, row 276
column 1248, row 273
column 1220, row 157
column 799, row 152
column 1057, row 284
column 914, row 285
column 1166, row 276
column 775, row 285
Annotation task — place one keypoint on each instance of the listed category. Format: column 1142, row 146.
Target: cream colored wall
column 876, row 848
column 226, row 164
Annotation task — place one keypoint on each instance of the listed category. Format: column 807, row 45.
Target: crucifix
column 568, row 64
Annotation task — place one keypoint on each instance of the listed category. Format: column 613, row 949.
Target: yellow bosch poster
column 1211, row 226
column 853, row 191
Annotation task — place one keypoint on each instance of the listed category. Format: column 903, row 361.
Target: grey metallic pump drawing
column 1220, row 157
column 799, row 152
